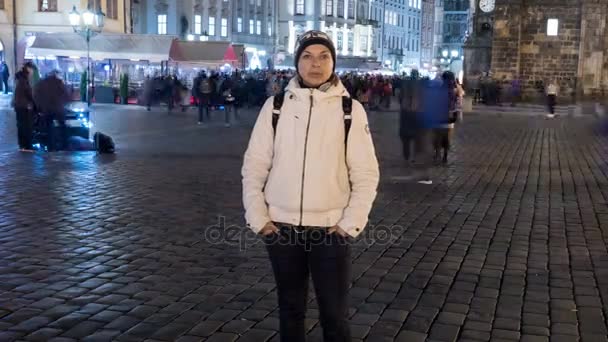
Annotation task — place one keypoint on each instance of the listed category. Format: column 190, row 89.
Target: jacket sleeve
column 256, row 167
column 363, row 173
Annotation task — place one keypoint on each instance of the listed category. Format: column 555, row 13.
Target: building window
column 161, row 20
column 198, row 24
column 329, row 7
column 47, row 5
column 1, row 5
column 351, row 41
column 224, row 27
column 251, row 26
column 552, row 27
column 259, row 2
column 300, row 7
column 211, row 26
column 340, row 8
column 258, row 27
column 269, row 29
column 340, row 41
column 239, row 25
column 112, row 9
column 351, row 9
column 364, row 42
column 92, row 4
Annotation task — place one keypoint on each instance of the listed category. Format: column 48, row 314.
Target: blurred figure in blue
column 434, row 114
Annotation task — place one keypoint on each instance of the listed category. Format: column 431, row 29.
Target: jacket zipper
column 304, row 162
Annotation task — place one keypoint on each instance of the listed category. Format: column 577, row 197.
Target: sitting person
column 50, row 97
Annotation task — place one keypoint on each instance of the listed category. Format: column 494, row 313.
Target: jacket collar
column 294, row 88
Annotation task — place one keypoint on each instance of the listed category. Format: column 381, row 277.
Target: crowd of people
column 251, row 89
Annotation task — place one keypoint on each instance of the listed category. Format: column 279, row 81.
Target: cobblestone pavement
column 510, row 243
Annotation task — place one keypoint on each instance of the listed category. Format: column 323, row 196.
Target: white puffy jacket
column 301, row 177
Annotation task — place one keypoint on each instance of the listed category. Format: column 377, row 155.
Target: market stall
column 112, row 56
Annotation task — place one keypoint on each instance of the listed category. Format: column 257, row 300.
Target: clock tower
column 478, row 47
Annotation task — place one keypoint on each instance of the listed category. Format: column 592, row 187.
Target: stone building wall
column 593, row 57
column 505, row 43
column 576, row 59
column 550, row 58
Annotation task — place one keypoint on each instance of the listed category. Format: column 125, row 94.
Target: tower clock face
column 486, row 5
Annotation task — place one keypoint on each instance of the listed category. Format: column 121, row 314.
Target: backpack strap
column 277, row 103
column 347, row 108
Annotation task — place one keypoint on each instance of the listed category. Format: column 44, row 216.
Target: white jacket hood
column 301, row 174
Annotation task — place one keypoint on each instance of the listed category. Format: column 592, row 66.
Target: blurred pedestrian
column 148, row 92
column 23, row 102
column 435, row 111
column 410, row 108
column 6, row 74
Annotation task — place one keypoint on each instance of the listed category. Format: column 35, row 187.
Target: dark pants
column 5, row 85
column 424, row 155
column 56, row 135
column 551, row 102
column 441, row 141
column 203, row 109
column 25, row 123
column 477, row 95
column 408, row 147
column 326, row 257
column 170, row 103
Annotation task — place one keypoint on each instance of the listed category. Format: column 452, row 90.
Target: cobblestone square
column 509, row 243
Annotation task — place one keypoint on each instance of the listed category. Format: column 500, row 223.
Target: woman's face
column 315, row 65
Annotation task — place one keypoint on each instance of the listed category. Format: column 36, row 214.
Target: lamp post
column 88, row 24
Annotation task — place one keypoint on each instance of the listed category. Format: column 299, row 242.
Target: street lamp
column 444, row 53
column 88, row 24
column 455, row 53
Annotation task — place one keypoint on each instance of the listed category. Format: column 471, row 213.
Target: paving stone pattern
column 508, row 244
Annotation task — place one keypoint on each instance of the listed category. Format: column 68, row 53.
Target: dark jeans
column 296, row 253
column 25, row 128
column 53, row 136
column 424, row 155
column 203, row 109
column 230, row 110
column 551, row 102
column 5, row 85
column 408, row 147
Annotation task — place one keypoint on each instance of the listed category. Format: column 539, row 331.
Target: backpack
column 205, row 86
column 103, row 143
column 347, row 108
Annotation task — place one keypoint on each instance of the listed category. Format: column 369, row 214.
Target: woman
column 307, row 188
column 552, row 90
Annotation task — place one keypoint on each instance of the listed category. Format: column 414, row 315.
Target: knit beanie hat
column 311, row 38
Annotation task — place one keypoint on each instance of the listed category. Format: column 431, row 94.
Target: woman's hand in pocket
column 337, row 230
column 269, row 229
